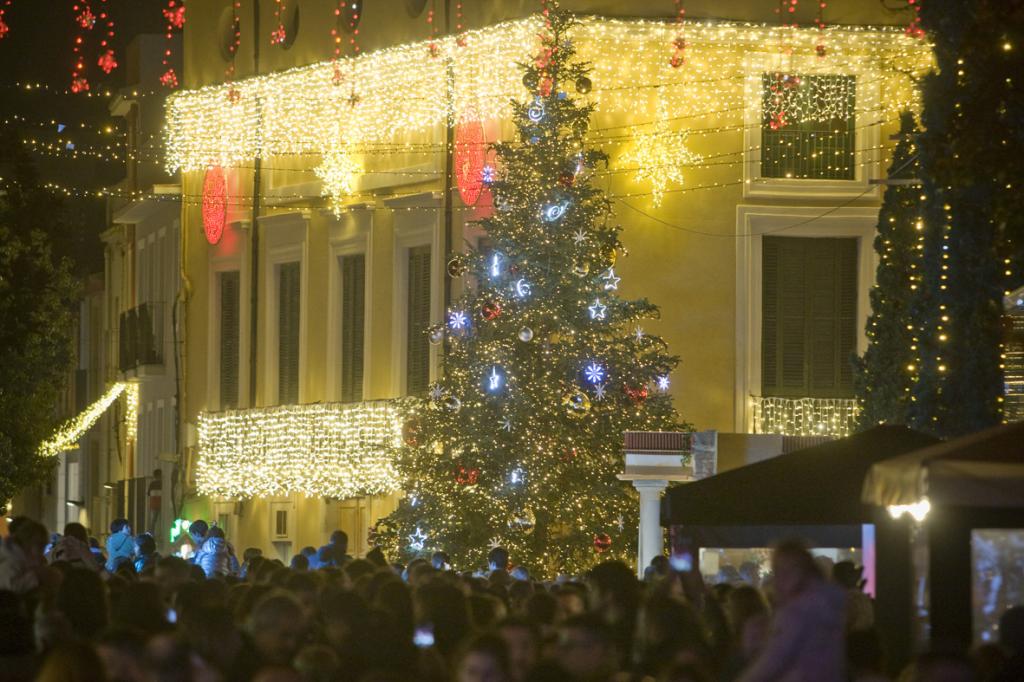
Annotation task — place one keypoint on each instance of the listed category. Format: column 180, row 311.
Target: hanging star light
column 611, row 282
column 660, row 155
column 598, row 310
column 338, row 172
column 579, row 237
column 599, row 391
column 417, row 540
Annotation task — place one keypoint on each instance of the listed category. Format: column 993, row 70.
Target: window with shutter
column 230, row 293
column 808, row 131
column 808, row 317
column 417, row 357
column 353, row 297
column 288, row 334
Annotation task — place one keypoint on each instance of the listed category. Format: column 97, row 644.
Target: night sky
column 38, row 50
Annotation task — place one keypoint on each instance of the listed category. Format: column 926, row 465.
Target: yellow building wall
column 682, row 254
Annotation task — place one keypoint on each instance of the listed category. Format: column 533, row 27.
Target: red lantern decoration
column 470, row 158
column 637, row 394
column 466, row 476
column 602, row 542
column 490, row 310
column 215, row 204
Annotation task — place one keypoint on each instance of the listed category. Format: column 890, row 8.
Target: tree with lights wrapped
column 545, row 366
column 972, row 160
column 884, row 375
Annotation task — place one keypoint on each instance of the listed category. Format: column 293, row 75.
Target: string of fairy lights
column 302, row 112
column 335, row 450
column 68, row 435
column 805, row 416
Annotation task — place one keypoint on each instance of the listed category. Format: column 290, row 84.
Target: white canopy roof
column 985, row 469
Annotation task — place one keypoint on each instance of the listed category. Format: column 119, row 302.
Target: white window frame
column 218, row 265
column 753, row 223
column 284, row 237
column 285, row 505
column 420, row 227
column 349, row 235
column 867, row 139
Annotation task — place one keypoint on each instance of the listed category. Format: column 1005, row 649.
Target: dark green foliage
column 972, row 159
column 36, row 323
column 883, row 376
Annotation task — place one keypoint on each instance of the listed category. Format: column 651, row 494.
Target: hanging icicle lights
column 301, row 110
column 337, row 450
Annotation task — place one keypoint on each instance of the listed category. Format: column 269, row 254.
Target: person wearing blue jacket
column 120, row 544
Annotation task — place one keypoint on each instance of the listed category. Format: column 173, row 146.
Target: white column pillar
column 651, row 538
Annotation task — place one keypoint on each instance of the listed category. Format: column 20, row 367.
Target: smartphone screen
column 683, row 557
column 423, row 636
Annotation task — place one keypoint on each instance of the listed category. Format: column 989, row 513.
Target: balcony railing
column 142, row 336
column 836, row 417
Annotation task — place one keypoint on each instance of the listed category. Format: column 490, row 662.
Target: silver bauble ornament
column 526, row 335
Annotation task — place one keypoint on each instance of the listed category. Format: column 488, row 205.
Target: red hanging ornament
column 679, row 55
column 174, row 14
column 4, row 28
column 602, row 542
column 411, row 431
column 86, row 19
column 464, row 476
column 545, row 86
column 819, row 21
column 169, row 79
column 490, row 310
column 107, row 61
column 638, row 394
column 914, row 29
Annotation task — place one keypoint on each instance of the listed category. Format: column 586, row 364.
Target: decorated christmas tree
column 545, row 366
column 884, row 375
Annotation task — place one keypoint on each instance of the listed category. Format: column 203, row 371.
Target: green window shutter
column 230, row 293
column 353, row 298
column 417, row 357
column 823, row 149
column 809, row 317
column 288, row 319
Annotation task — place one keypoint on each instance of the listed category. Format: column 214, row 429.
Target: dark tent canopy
column 814, row 486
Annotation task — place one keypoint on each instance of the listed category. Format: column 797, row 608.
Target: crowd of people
column 70, row 612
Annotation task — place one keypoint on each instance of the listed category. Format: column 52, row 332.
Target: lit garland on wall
column 131, row 411
column 67, row 436
column 339, row 173
column 660, row 156
column 805, row 416
column 301, row 110
column 337, row 450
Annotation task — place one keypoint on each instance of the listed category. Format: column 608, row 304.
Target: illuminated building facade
column 327, row 174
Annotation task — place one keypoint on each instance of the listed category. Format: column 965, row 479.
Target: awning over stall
column 820, row 485
column 984, row 469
